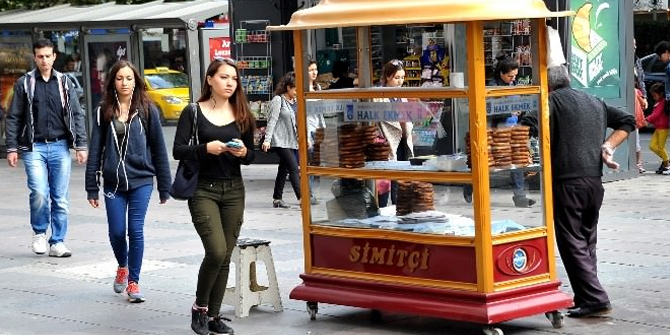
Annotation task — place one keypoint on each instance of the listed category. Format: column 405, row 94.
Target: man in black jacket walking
column 43, row 122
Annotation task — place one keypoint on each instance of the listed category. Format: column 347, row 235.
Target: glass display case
column 397, row 235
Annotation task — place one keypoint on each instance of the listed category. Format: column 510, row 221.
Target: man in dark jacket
column 43, row 123
column 578, row 124
column 662, row 50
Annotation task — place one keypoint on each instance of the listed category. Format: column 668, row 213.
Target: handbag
column 186, row 178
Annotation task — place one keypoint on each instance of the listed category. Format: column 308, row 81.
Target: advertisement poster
column 15, row 60
column 219, row 47
column 102, row 55
column 595, row 62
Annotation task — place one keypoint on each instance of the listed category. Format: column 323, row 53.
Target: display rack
column 403, row 41
column 513, row 39
column 255, row 59
column 376, row 53
column 412, row 65
column 349, row 42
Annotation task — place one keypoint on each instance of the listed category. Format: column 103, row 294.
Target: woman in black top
column 217, row 207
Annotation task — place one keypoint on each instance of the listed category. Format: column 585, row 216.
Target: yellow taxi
column 169, row 90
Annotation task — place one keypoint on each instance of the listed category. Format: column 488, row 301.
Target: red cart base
column 443, row 303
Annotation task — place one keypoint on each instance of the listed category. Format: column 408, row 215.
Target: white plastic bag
column 554, row 48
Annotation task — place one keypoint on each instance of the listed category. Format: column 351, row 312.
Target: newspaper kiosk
column 432, row 253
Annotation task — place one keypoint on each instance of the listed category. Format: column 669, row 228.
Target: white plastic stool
column 247, row 293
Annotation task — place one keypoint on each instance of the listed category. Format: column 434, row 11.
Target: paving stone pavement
column 42, row 295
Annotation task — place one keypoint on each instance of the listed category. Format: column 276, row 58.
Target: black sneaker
column 279, row 203
column 522, row 201
column 217, row 327
column 468, row 198
column 199, row 321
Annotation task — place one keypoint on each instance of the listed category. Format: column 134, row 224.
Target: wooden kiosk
column 433, row 253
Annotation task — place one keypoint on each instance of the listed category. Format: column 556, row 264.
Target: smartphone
column 233, row 144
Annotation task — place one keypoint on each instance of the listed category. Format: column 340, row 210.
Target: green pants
column 217, row 210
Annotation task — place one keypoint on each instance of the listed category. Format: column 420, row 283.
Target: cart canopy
column 353, row 13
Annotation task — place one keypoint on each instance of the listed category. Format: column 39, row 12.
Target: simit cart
column 434, row 252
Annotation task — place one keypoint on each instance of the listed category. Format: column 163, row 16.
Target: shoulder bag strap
column 194, row 129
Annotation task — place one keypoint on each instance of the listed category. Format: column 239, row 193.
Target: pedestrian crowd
column 126, row 155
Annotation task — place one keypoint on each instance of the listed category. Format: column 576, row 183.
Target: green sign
column 595, row 62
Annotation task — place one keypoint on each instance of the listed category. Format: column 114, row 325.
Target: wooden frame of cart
column 485, row 278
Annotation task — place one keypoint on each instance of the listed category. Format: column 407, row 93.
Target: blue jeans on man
column 48, row 169
column 128, row 207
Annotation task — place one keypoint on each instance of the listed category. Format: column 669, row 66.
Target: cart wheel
column 492, row 331
column 556, row 318
column 312, row 309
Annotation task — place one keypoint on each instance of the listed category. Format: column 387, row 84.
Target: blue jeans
column 135, row 203
column 48, row 172
column 517, row 179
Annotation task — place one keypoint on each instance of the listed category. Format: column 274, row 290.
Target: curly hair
column 286, row 82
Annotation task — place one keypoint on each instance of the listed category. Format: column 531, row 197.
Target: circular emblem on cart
column 519, row 259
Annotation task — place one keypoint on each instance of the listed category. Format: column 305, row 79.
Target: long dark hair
column 288, row 80
column 315, row 86
column 139, row 102
column 243, row 118
column 390, row 69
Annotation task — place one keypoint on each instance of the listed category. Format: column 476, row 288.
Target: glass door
column 102, row 51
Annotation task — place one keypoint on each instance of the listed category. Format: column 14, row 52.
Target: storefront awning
column 110, row 15
column 352, row 13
